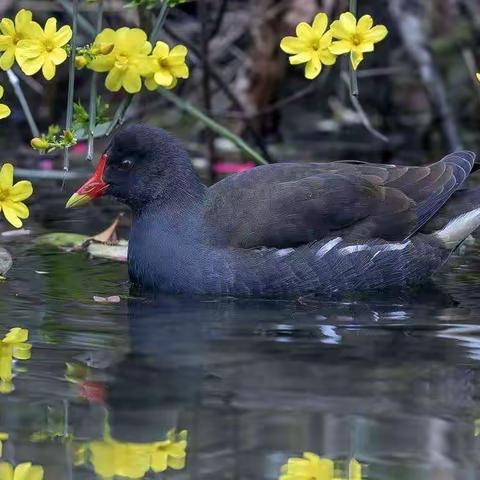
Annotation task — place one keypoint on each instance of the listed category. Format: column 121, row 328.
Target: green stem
column 353, row 74
column 92, row 111
column 162, row 16
column 86, row 26
column 17, row 88
column 213, row 125
column 71, row 79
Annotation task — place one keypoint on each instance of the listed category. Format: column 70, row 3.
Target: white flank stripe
column 328, row 246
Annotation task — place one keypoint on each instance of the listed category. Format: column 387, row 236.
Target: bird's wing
column 286, row 205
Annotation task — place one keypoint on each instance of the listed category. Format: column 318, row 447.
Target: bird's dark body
column 286, row 229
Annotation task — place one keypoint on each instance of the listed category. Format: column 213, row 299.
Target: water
column 391, row 382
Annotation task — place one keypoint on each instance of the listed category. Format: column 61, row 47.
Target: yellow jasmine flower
column 310, row 46
column 12, row 196
column 44, row 49
column 12, row 33
column 168, row 66
column 170, row 453
column 24, row 471
column 128, row 61
column 3, row 438
column 355, row 37
column 4, row 109
column 6, row 363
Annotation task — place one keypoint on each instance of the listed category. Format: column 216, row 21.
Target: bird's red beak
column 94, row 187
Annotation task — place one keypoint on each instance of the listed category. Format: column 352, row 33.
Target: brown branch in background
column 408, row 15
column 224, row 87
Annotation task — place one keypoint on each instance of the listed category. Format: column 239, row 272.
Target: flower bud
column 39, row 144
column 80, row 61
column 69, row 137
column 105, row 48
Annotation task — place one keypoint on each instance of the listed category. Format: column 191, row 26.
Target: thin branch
column 92, row 111
column 363, row 115
column 17, row 88
column 71, row 79
column 162, row 16
column 353, row 73
column 82, row 21
column 217, row 24
column 213, row 125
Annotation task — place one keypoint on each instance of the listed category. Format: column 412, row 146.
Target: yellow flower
column 44, row 49
column 12, row 33
column 170, row 453
column 128, row 61
column 168, row 66
column 356, row 37
column 4, row 109
column 478, row 76
column 312, row 467
column 12, row 196
column 24, row 471
column 310, row 46
column 3, row 438
column 16, row 340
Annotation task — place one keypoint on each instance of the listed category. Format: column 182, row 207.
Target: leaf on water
column 6, row 261
column 111, row 299
column 62, row 240
column 110, row 234
column 110, row 252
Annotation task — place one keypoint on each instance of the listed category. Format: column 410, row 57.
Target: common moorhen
column 286, row 229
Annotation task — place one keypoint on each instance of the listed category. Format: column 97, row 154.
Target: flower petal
column 11, row 216
column 16, row 335
column 132, row 81
column 320, row 23
column 340, row 47
column 161, row 50
column 22, row 351
column 300, row 58
column 163, row 77
column 376, row 34
column 23, row 19
column 6, row 471
column 4, row 111
column 349, row 22
column 179, row 51
column 27, row 49
column 113, row 82
column 292, row 45
column 313, row 68
column 180, row 71
column 48, row 68
column 21, row 191
column 6, row 176
column 305, row 32
column 150, row 83
column 356, row 58
column 63, row 36
column 327, row 57
column 365, row 23
column 31, row 66
column 58, row 56
column 7, row 27
column 7, row 59
column 51, row 27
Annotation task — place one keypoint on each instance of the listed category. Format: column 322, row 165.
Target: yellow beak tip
column 77, row 200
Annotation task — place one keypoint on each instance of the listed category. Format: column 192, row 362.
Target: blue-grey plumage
column 286, row 229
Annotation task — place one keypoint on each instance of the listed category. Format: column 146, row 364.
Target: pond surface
column 393, row 383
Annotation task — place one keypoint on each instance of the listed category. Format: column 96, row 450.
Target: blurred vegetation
column 418, row 90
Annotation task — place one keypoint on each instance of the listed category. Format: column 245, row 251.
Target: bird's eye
column 126, row 164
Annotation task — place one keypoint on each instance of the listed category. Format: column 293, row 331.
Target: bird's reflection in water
column 258, row 383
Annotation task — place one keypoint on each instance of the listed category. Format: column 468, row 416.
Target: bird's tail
column 459, row 228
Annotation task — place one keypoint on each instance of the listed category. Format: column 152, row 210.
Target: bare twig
column 353, row 72
column 17, row 88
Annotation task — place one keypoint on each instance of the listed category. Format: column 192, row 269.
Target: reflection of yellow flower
column 356, row 38
column 4, row 109
column 478, row 76
column 171, row 452
column 167, row 65
column 128, row 60
column 16, row 340
column 13, row 32
column 24, row 471
column 44, row 49
column 310, row 46
column 312, row 467
column 12, row 196
column 3, row 438
column 112, row 458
